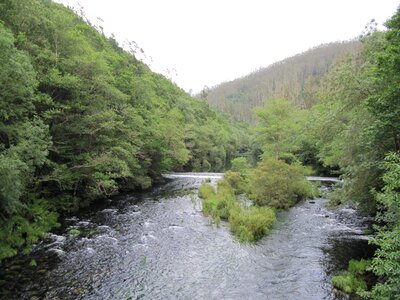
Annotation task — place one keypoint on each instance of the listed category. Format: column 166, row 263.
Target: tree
column 24, row 138
column 384, row 104
column 386, row 262
column 82, row 119
column 277, row 184
column 278, row 128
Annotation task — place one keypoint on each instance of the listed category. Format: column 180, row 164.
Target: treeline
column 82, row 119
column 296, row 79
column 352, row 130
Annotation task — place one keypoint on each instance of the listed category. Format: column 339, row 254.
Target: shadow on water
column 341, row 250
column 158, row 245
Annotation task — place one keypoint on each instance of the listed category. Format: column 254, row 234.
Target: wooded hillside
column 82, row 119
column 296, row 79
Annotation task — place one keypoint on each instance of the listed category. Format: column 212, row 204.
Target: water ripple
column 158, row 245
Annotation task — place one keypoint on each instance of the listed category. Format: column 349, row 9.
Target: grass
column 351, row 281
column 359, row 267
column 251, row 224
column 348, row 283
column 74, row 231
column 218, row 205
column 247, row 224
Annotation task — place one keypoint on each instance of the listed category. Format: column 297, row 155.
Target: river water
column 158, row 245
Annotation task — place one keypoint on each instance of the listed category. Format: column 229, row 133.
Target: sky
column 198, row 43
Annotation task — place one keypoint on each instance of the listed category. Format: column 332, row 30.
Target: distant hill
column 295, row 79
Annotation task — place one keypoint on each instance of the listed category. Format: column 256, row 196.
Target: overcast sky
column 206, row 42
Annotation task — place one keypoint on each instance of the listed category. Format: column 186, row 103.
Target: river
column 158, row 245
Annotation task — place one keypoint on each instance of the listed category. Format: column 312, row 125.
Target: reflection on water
column 158, row 245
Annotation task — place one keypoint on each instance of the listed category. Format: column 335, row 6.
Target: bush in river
column 277, row 184
column 251, row 224
column 237, row 181
column 247, row 224
column 206, row 191
column 217, row 204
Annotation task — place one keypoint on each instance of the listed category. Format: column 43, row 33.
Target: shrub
column 20, row 231
column 386, row 264
column 348, row 283
column 276, row 184
column 352, row 281
column 247, row 224
column 251, row 224
column 359, row 267
column 240, row 164
column 206, row 191
column 218, row 204
column 236, row 181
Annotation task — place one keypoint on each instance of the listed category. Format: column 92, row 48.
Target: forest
column 82, row 119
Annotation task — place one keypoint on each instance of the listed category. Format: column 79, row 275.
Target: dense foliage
column 275, row 183
column 278, row 129
column 386, row 262
column 82, row 119
column 356, row 126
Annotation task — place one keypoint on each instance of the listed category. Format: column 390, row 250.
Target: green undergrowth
column 251, row 224
column 348, row 283
column 247, row 224
column 74, row 231
column 354, row 280
column 21, row 231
